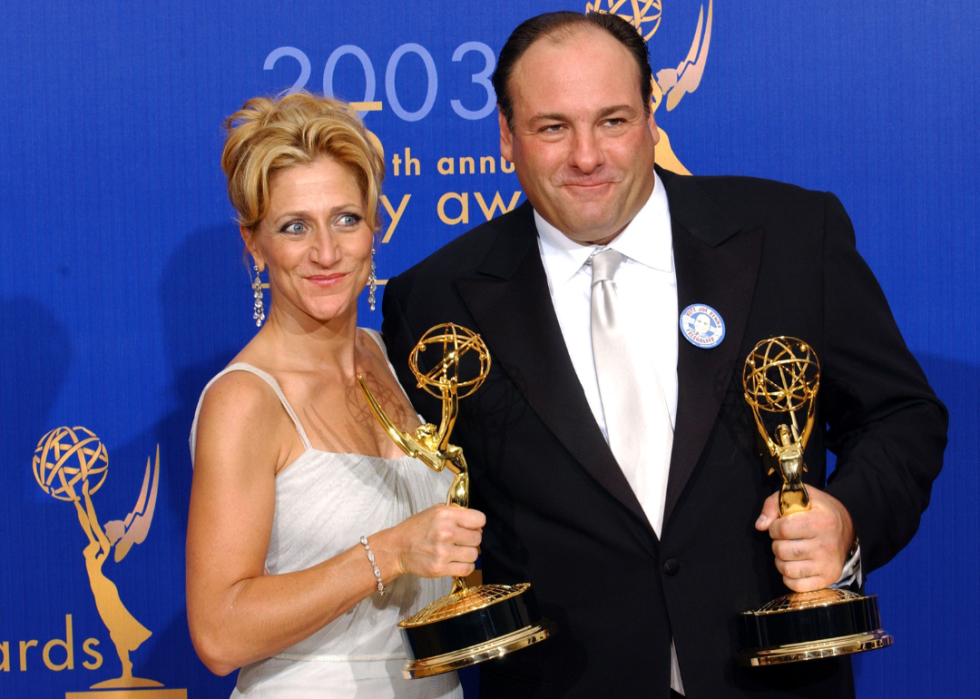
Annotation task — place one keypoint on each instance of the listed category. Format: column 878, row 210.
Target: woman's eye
column 349, row 220
column 294, row 228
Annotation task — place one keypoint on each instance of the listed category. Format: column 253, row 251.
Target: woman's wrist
column 385, row 556
column 374, row 564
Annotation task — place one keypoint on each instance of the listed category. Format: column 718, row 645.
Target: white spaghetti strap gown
column 324, row 503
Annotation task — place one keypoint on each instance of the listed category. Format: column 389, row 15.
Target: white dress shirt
column 646, row 292
column 646, row 287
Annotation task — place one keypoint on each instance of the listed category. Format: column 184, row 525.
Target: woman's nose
column 324, row 249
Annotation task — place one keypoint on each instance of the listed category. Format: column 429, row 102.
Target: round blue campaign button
column 702, row 326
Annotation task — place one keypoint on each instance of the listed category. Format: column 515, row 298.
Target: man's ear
column 506, row 137
column 652, row 125
column 249, row 237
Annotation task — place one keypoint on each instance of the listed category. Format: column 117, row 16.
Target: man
column 616, row 461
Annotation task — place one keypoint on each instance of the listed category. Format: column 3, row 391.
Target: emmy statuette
column 782, row 376
column 71, row 464
column 470, row 624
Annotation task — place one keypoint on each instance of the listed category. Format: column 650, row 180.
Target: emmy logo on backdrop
column 782, row 377
column 669, row 83
column 71, row 464
column 470, row 624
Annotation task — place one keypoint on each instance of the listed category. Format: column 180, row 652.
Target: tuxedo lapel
column 510, row 301
column 717, row 268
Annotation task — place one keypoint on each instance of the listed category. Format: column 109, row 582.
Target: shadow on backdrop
column 33, row 366
column 205, row 306
column 34, row 361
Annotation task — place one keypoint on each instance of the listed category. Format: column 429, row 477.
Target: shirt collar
column 646, row 239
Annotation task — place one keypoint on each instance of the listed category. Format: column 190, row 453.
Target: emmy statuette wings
column 470, row 624
column 137, row 523
column 782, row 377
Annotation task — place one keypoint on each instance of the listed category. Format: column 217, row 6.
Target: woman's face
column 314, row 241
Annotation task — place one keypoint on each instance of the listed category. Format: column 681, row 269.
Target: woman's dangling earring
column 258, row 308
column 372, row 281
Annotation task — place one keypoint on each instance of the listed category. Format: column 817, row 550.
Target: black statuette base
column 793, row 635
column 473, row 628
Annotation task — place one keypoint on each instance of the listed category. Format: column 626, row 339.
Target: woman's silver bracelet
column 374, row 566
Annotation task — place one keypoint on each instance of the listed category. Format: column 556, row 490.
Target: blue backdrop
column 122, row 288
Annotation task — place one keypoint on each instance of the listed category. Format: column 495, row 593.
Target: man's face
column 702, row 324
column 582, row 144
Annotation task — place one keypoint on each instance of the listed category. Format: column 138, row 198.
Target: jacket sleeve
column 885, row 423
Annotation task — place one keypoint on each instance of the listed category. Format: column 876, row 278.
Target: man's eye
column 552, row 128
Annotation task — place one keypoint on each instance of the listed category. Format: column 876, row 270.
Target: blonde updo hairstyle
column 271, row 134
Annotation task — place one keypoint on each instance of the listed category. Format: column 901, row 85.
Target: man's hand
column 811, row 547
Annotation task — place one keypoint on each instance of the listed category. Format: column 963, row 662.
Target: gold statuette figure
column 470, row 624
column 782, row 377
column 71, row 464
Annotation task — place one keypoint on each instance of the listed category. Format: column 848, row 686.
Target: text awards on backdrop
column 470, row 624
column 71, row 464
column 782, row 376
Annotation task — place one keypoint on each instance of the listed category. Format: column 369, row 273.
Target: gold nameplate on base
column 130, row 694
column 797, row 652
column 782, row 376
column 470, row 624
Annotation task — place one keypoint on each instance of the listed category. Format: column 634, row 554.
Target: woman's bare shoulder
column 241, row 414
column 241, row 394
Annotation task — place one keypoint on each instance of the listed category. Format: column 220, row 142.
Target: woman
column 290, row 467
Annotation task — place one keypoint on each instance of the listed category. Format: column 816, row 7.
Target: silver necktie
column 637, row 421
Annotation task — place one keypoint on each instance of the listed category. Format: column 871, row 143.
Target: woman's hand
column 438, row 542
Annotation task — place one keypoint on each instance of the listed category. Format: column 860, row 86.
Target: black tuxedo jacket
column 772, row 259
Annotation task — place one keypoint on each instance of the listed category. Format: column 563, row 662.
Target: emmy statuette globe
column 66, row 457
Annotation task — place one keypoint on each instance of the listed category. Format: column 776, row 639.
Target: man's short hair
column 558, row 26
